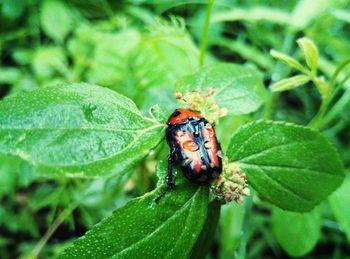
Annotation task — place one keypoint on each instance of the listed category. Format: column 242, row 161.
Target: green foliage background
column 53, row 138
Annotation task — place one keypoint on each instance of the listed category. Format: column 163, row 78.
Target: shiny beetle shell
column 193, row 146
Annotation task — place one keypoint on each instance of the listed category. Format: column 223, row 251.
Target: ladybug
column 193, row 147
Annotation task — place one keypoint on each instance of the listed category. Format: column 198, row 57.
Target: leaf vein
column 259, row 153
column 284, row 167
column 283, row 186
column 85, row 129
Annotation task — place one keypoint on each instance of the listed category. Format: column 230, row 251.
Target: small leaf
column 76, row 130
column 339, row 202
column 238, row 88
column 288, row 60
column 56, row 19
column 9, row 75
column 289, row 83
column 310, row 52
column 159, row 113
column 48, row 61
column 291, row 166
column 297, row 233
column 143, row 228
column 306, row 11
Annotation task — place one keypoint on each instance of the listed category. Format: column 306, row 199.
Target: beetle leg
column 170, row 177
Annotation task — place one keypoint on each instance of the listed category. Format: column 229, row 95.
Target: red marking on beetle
column 209, row 136
column 193, row 146
column 183, row 114
column 191, row 149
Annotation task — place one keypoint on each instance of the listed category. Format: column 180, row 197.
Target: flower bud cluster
column 231, row 185
column 204, row 103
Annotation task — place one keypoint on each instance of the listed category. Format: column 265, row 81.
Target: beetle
column 193, row 147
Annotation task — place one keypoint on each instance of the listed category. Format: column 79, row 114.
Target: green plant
column 71, row 152
column 82, row 130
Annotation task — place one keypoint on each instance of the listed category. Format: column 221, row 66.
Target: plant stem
column 205, row 33
column 337, row 107
column 335, row 76
column 42, row 242
column 315, row 122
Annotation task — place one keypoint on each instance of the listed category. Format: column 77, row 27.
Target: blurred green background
column 140, row 48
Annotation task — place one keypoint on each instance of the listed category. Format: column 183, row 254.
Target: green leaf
column 306, row 11
column 9, row 168
column 247, row 52
column 310, row 52
column 291, row 166
column 288, row 60
column 76, row 130
column 238, row 88
column 343, row 15
column 207, row 235
column 143, row 228
column 297, row 233
column 9, row 75
column 109, row 62
column 340, row 201
column 163, row 56
column 149, row 63
column 253, row 14
column 56, row 19
column 13, row 8
column 48, row 61
column 159, row 113
column 289, row 83
column 22, row 56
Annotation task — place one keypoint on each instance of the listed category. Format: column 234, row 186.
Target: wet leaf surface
column 76, row 130
column 143, row 228
column 291, row 166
